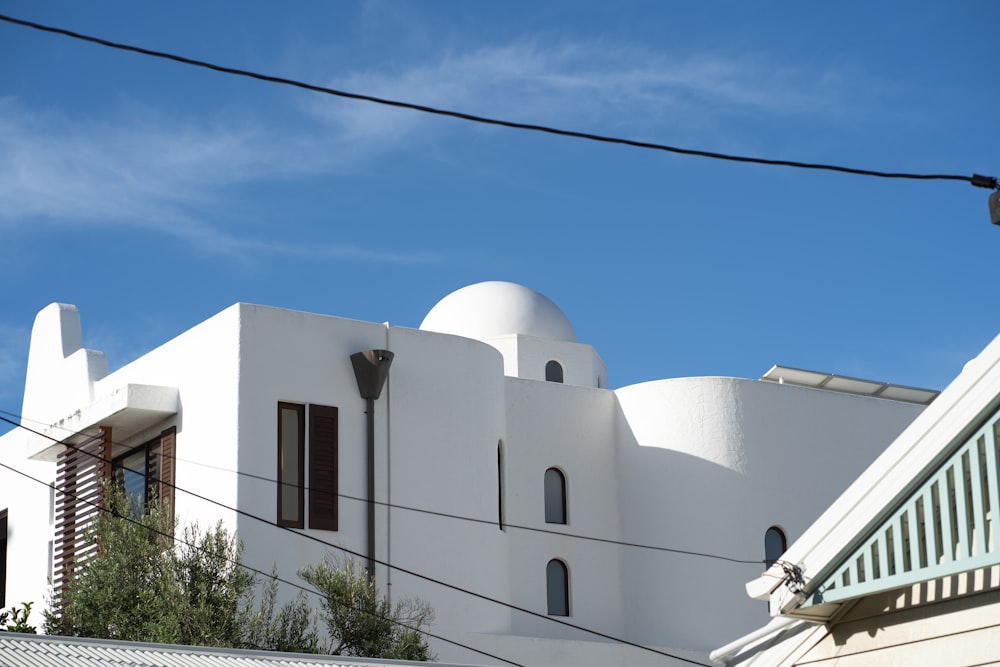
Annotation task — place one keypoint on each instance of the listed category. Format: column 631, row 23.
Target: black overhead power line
column 270, row 576
column 976, row 179
column 351, row 552
column 447, row 515
column 419, row 510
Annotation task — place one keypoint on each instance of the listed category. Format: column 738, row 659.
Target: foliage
column 292, row 629
column 138, row 586
column 362, row 622
column 16, row 620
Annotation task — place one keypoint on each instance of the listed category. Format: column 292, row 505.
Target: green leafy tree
column 16, row 619
column 127, row 589
column 291, row 629
column 139, row 585
column 362, row 622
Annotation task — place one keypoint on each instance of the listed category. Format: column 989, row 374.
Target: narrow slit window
column 500, row 484
column 555, row 496
column 3, row 558
column 557, row 588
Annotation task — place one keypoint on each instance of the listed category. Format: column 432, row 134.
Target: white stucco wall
column 203, row 364
column 438, row 423
column 571, row 429
column 61, row 372
column 526, row 357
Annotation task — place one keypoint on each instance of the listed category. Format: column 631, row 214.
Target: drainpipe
column 388, row 482
column 725, row 653
column 371, row 368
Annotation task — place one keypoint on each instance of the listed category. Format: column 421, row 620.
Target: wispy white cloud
column 585, row 84
column 151, row 170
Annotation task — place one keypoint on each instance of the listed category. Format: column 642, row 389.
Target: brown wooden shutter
column 168, row 453
column 81, row 471
column 323, row 467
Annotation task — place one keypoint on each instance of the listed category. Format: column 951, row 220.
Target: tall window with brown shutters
column 320, row 456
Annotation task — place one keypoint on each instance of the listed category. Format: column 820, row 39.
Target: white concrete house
column 904, row 568
column 491, row 411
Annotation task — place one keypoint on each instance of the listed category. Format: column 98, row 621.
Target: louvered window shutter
column 168, row 453
column 81, row 472
column 323, row 467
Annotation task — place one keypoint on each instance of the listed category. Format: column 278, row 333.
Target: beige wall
column 951, row 622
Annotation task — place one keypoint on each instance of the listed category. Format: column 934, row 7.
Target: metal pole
column 371, row 368
column 370, row 410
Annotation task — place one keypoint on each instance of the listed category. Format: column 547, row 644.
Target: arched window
column 555, row 496
column 557, row 587
column 553, row 371
column 775, row 544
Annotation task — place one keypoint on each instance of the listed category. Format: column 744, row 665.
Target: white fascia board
column 127, row 409
column 957, row 410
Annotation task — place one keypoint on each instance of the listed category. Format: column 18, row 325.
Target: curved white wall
column 712, row 464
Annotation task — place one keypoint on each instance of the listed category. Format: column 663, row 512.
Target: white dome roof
column 498, row 308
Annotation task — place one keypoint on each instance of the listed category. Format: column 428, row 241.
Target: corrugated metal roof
column 24, row 650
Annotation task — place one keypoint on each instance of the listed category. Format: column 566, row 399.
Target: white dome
column 498, row 308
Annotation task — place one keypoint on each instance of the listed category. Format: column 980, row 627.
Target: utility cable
column 397, row 568
column 447, row 515
column 975, row 179
column 489, row 522
column 232, row 561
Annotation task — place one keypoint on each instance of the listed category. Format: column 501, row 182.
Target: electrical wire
column 447, row 515
column 976, row 179
column 489, row 522
column 397, row 568
column 270, row 576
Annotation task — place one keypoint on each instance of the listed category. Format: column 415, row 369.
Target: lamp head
column 995, row 207
column 371, row 368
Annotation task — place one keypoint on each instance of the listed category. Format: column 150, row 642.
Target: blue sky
column 152, row 194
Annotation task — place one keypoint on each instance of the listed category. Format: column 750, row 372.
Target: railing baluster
column 977, row 545
column 964, row 529
column 945, row 505
column 927, row 524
